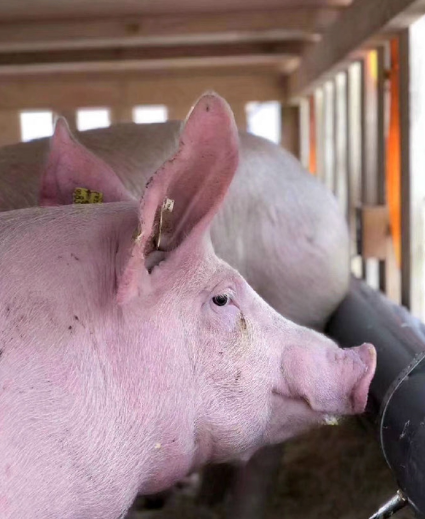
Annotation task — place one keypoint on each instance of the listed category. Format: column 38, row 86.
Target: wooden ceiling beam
column 277, row 64
column 303, row 23
column 19, row 10
column 290, row 48
column 128, row 89
column 363, row 24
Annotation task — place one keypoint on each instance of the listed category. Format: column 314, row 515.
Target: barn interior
column 339, row 83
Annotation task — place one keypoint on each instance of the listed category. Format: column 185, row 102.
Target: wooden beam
column 382, row 70
column 405, row 145
column 416, row 173
column 117, row 54
column 10, row 128
column 358, row 26
column 341, row 142
column 278, row 24
column 121, row 114
column 374, row 233
column 312, row 135
column 370, row 135
column 290, row 121
column 372, row 131
column 319, row 130
column 281, row 57
column 178, row 111
column 304, row 135
column 412, row 122
column 329, row 135
column 76, row 9
column 61, row 93
column 261, row 63
column 355, row 154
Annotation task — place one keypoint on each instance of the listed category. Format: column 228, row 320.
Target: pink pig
column 131, row 355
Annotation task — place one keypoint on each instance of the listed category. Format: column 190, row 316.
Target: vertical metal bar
column 381, row 156
column 412, row 107
column 290, row 124
column 354, row 157
column 305, row 132
column 405, row 168
column 329, row 135
column 370, row 147
column 341, row 142
column 319, row 123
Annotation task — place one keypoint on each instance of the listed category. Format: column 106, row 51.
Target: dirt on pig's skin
column 330, row 473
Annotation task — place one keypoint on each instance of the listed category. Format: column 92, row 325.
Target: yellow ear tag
column 85, row 196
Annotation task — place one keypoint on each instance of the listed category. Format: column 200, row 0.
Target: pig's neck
column 156, row 388
column 120, row 413
column 157, row 444
column 146, row 378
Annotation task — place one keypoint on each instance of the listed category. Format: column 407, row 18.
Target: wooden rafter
column 221, row 27
column 290, row 48
column 360, row 24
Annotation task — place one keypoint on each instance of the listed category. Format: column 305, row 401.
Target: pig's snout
column 329, row 379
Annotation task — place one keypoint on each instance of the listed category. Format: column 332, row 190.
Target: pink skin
column 63, row 172
column 119, row 373
column 279, row 226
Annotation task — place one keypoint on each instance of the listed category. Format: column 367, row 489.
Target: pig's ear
column 70, row 166
column 183, row 196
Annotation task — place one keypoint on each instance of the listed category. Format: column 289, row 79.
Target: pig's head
column 254, row 377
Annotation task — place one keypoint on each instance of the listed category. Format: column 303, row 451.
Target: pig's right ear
column 70, row 166
column 185, row 193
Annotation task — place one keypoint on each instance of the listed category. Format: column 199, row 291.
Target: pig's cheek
column 223, row 319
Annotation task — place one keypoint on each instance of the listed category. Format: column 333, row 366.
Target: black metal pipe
column 396, row 404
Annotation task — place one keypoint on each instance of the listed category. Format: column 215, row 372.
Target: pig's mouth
column 299, row 412
column 302, row 402
column 323, row 416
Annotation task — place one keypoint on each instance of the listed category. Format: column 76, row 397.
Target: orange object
column 312, row 161
column 393, row 153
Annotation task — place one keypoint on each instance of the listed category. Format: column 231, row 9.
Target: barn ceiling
column 50, row 9
column 264, row 36
column 106, row 35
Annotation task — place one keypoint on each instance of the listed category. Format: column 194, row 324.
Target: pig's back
column 135, row 152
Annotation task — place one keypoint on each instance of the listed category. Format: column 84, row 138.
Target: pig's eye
column 221, row 300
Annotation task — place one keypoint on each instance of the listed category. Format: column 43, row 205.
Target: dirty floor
column 331, row 473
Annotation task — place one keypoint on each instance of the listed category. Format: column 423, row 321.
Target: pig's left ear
column 183, row 196
column 70, row 165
